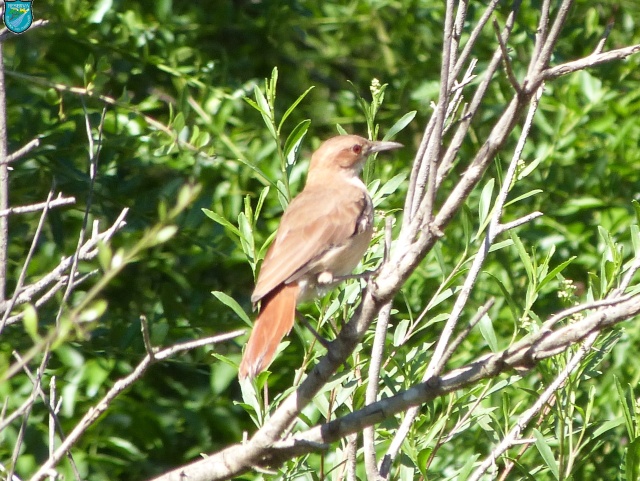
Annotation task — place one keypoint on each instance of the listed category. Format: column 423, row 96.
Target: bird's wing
column 313, row 223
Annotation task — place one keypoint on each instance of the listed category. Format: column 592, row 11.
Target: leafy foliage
column 206, row 142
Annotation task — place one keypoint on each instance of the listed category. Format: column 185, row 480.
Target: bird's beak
column 381, row 146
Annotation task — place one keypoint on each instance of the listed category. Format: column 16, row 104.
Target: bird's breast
column 340, row 260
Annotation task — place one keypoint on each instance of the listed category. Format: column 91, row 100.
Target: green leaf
column 555, row 271
column 100, row 8
column 30, row 322
column 178, row 123
column 293, row 106
column 627, row 408
column 231, row 303
column 251, row 400
column 222, row 221
column 526, row 195
column 632, row 460
column 400, row 332
column 263, row 195
column 546, row 453
column 514, row 306
column 636, row 209
column 488, row 333
column 530, row 168
column 400, row 124
column 484, row 207
column 246, row 236
column 271, row 88
column 635, row 239
column 165, row 234
column 262, row 106
column 283, row 194
column 105, row 255
column 465, row 471
column 294, row 139
column 387, row 188
column 94, row 311
column 524, row 256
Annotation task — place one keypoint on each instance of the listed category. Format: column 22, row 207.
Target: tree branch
column 118, row 387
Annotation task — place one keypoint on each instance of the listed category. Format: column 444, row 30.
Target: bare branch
column 590, row 61
column 541, row 62
column 25, row 265
column 518, row 222
column 541, row 35
column 4, row 181
column 86, row 252
column 6, row 34
column 524, row 419
column 237, row 459
column 352, row 454
column 24, row 209
column 94, row 156
column 117, row 388
column 24, row 150
column 440, row 353
column 505, row 58
column 371, row 395
column 463, row 127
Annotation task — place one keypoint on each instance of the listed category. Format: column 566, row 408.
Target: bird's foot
column 366, row 275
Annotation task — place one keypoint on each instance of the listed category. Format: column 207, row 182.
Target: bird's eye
column 357, row 148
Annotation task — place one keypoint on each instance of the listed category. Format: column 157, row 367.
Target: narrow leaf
column 488, row 333
column 293, row 106
column 222, row 221
column 485, row 201
column 400, row 124
column 231, row 303
column 546, row 453
column 30, row 322
column 555, row 271
column 294, row 139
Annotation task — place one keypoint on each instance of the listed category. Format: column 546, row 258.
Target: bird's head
column 347, row 153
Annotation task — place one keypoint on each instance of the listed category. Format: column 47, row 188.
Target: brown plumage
column 323, row 234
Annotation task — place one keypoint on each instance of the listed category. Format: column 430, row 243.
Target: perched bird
column 323, row 234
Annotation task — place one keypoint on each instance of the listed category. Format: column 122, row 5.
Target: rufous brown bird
column 323, row 234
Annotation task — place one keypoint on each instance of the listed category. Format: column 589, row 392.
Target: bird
column 323, row 234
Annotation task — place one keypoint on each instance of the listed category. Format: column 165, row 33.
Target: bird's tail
column 275, row 320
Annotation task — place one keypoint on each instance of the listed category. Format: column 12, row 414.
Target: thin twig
column 432, row 153
column 118, row 387
column 25, row 265
column 57, row 202
column 541, row 35
column 94, row 157
column 589, row 61
column 24, row 150
column 441, row 354
column 453, row 346
column 371, row 395
column 88, row 251
column 37, row 382
column 526, row 417
column 473, row 37
column 4, row 180
column 352, row 457
column 476, row 100
column 146, row 337
column 6, row 34
column 541, row 62
column 505, row 57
